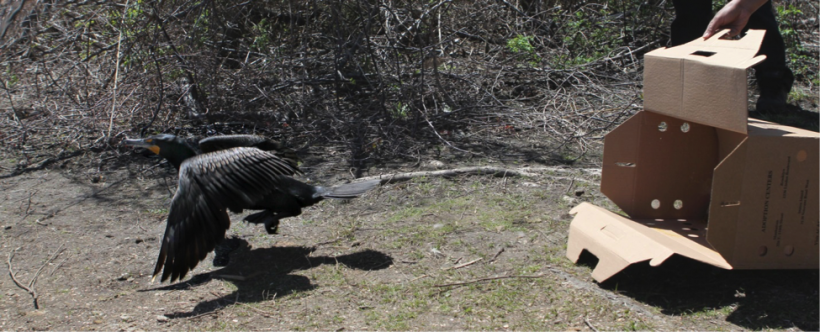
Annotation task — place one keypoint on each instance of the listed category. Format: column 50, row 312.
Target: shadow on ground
column 266, row 274
column 793, row 116
column 753, row 299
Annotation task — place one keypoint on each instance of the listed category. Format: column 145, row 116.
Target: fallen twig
column 497, row 254
column 465, row 264
column 478, row 170
column 586, row 320
column 30, row 288
column 17, row 282
column 489, row 279
column 43, row 164
column 264, row 313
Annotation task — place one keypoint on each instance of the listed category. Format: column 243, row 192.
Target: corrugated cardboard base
column 619, row 242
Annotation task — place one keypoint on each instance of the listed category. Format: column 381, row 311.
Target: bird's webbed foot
column 272, row 225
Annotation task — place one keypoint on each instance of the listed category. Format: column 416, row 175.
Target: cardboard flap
column 703, row 81
column 619, row 242
column 657, row 166
column 750, row 42
column 731, row 53
column 726, row 197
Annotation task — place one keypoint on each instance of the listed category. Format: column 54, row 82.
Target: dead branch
column 478, row 170
column 17, row 282
column 30, row 288
column 43, row 164
column 116, row 77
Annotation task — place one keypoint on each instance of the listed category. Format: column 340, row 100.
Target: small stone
column 35, row 313
column 162, row 318
column 98, row 321
column 436, row 164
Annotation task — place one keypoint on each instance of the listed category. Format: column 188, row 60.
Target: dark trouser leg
column 774, row 78
column 691, row 19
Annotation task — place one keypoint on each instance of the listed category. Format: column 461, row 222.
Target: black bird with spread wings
column 234, row 172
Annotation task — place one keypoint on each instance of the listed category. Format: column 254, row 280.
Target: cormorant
column 233, row 172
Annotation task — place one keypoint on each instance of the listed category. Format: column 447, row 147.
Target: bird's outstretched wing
column 209, row 185
column 217, row 143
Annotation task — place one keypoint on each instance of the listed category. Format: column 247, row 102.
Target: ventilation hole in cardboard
column 788, row 250
column 686, row 229
column 678, row 204
column 762, row 250
column 623, row 164
column 650, row 224
column 692, row 235
column 586, row 258
column 662, row 126
column 685, row 127
column 802, row 155
column 704, row 53
column 659, row 219
column 729, row 204
column 656, row 204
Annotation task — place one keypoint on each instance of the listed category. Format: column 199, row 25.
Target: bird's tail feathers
column 348, row 190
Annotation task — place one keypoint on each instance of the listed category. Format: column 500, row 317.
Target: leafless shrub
column 380, row 80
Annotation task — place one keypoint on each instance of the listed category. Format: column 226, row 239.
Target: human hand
column 733, row 16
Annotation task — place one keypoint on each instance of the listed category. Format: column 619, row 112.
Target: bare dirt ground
column 471, row 252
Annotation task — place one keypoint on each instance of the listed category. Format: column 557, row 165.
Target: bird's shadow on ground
column 752, row 299
column 265, row 273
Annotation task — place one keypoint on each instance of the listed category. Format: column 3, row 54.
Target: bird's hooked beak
column 146, row 143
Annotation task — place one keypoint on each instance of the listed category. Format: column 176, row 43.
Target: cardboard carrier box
column 699, row 179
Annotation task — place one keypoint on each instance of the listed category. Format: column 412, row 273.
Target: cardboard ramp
column 619, row 242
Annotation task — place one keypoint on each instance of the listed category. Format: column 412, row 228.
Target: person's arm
column 733, row 16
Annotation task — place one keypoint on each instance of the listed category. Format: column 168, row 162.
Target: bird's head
column 168, row 146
